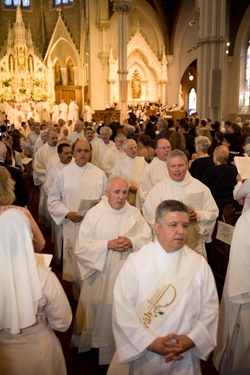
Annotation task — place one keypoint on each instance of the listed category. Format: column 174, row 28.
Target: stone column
column 122, row 7
column 211, row 54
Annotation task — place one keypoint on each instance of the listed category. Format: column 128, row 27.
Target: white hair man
column 180, row 185
column 131, row 168
column 114, row 153
column 78, row 132
column 78, row 184
column 158, row 312
column 105, row 144
column 153, row 172
column 109, row 232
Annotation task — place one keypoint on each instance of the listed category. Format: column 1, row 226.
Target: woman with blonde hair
column 7, row 198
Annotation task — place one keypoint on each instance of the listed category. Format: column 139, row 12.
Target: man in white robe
column 232, row 354
column 113, row 154
column 105, row 144
column 90, row 137
column 87, row 113
column 73, row 111
column 109, row 232
column 131, row 168
column 154, row 172
column 64, row 153
column 63, row 110
column 45, row 107
column 78, row 132
column 180, row 185
column 79, row 181
column 165, row 308
column 39, row 173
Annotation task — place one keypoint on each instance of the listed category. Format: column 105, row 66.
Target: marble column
column 211, row 55
column 122, row 7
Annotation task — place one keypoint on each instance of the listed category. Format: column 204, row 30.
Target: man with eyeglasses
column 75, row 189
column 153, row 172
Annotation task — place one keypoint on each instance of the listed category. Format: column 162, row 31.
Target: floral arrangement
column 6, row 82
column 6, row 94
column 39, row 94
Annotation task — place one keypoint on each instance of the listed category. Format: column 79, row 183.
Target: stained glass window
column 192, row 97
column 15, row 3
column 247, row 78
column 62, row 2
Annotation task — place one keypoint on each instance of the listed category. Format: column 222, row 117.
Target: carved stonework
column 103, row 56
column 122, row 6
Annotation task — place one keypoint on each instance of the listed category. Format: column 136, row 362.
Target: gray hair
column 128, row 142
column 120, row 135
column 175, row 153
column 112, row 178
column 163, row 124
column 203, row 143
column 106, row 129
column 167, row 206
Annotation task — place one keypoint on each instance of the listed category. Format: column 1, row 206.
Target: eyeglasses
column 82, row 150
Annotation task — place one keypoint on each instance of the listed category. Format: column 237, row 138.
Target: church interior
column 185, row 56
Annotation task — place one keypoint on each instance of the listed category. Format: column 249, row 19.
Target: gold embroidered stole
column 164, row 296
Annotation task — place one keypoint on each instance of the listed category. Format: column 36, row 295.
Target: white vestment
column 131, row 169
column 194, row 315
column 98, row 153
column 242, row 191
column 45, row 107
column 232, row 354
column 73, row 111
column 72, row 137
column 110, row 158
column 55, row 113
column 56, row 235
column 63, row 111
column 194, row 194
column 99, row 268
column 39, row 173
column 153, row 173
column 87, row 113
column 71, row 185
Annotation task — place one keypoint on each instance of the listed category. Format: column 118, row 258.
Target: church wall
column 42, row 17
column 98, row 87
column 235, row 68
column 185, row 38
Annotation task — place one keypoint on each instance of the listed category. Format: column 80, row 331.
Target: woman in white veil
column 32, row 304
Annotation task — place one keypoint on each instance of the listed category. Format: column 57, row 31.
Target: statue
column 21, row 59
column 136, row 86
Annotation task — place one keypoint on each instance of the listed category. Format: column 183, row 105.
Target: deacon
column 165, row 308
column 76, row 186
column 180, row 185
column 109, row 232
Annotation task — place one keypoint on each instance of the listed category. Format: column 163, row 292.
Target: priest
column 109, row 232
column 75, row 188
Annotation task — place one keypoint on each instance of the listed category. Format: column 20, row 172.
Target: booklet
column 243, row 166
column 43, row 259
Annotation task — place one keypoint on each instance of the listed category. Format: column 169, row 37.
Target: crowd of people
column 132, row 207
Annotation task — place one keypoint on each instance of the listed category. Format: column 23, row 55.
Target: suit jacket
column 21, row 191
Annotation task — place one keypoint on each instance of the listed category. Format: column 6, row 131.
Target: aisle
column 84, row 363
